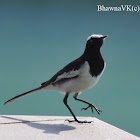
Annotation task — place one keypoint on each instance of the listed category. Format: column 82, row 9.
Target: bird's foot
column 80, row 122
column 92, row 106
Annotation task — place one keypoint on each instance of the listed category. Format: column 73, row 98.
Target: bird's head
column 95, row 41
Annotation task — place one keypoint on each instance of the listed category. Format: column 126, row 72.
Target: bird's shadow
column 47, row 128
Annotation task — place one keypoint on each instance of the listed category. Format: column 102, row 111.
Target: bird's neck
column 95, row 61
column 92, row 54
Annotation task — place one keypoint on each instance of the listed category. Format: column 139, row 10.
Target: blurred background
column 38, row 38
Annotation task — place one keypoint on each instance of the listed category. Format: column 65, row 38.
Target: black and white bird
column 78, row 76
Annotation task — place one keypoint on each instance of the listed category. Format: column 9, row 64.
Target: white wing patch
column 73, row 72
column 69, row 74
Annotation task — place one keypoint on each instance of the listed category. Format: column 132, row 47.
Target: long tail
column 23, row 94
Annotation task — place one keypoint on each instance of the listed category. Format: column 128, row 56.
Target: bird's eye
column 91, row 40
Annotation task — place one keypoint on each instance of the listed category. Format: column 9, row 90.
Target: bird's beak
column 104, row 36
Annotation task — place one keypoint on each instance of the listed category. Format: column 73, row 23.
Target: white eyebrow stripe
column 95, row 36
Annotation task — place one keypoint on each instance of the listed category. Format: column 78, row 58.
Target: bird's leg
column 65, row 102
column 89, row 104
column 75, row 119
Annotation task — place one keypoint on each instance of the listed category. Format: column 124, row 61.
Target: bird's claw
column 81, row 122
column 92, row 106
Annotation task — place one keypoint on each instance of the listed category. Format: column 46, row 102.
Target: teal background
column 38, row 38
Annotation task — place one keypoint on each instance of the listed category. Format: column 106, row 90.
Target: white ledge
column 14, row 127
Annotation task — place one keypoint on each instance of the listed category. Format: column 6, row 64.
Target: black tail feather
column 22, row 95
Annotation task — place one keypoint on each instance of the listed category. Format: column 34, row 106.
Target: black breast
column 96, row 67
column 96, row 63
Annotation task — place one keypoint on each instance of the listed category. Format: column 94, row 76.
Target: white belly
column 79, row 84
column 83, row 82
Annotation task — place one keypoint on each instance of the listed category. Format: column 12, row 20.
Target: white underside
column 83, row 82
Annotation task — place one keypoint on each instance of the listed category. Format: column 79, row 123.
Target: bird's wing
column 68, row 72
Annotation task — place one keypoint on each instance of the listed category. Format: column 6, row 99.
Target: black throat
column 95, row 60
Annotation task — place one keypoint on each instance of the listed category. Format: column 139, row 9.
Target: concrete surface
column 56, row 128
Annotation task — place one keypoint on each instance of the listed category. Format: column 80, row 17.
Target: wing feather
column 69, row 71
